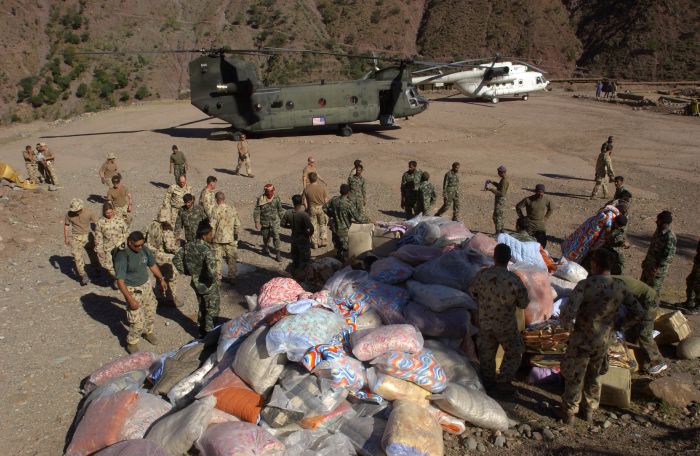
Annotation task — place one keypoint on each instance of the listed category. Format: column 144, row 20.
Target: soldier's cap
column 76, row 204
column 41, row 144
column 501, row 169
column 163, row 215
column 539, row 187
column 610, row 138
column 111, row 156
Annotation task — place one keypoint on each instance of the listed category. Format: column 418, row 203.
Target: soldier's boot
column 265, row 249
column 567, row 417
column 587, row 414
column 251, row 175
column 132, row 348
column 84, row 280
column 278, row 256
column 151, row 338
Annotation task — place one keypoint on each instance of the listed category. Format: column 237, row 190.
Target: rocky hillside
column 43, row 74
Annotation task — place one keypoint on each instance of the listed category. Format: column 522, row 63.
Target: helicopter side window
column 277, row 104
column 353, row 100
column 290, row 104
column 322, row 102
column 258, row 107
column 520, row 82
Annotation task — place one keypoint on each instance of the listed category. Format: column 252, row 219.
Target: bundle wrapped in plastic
column 452, row 233
column 184, row 362
column 420, row 368
column 390, row 270
column 342, row 372
column 482, row 243
column 345, row 281
column 280, row 290
column 472, row 405
column 412, row 430
column 317, row 443
column 236, row 329
column 455, row 269
column 425, row 232
column 562, row 288
column 255, row 366
column 131, row 381
column 389, row 301
column 147, row 409
column 448, row 423
column 365, row 433
column 119, row 367
column 319, row 270
column 326, row 420
column 237, row 438
column 589, row 234
column 571, row 271
column 367, row 345
column 296, row 334
column 524, row 252
column 439, row 298
column 392, row 388
column 368, row 320
column 452, row 323
column 138, row 447
column 185, row 389
column 458, row 369
column 177, row 432
column 539, row 292
column 416, row 254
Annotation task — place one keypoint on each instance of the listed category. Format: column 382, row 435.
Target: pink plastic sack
column 145, row 412
column 416, row 254
column 102, row 424
column 237, row 438
column 372, row 343
column 280, row 290
column 539, row 290
column 118, row 367
column 390, row 270
column 452, row 323
column 452, row 233
column 133, row 448
column 482, row 243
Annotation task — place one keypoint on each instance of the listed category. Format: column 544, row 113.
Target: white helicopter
column 490, row 81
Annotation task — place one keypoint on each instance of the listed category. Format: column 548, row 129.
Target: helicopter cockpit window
column 322, row 102
column 354, row 100
column 539, row 80
column 290, row 104
column 277, row 104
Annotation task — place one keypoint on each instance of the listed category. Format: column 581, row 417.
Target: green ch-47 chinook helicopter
column 228, row 88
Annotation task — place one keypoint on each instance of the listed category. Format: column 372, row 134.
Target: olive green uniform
column 178, row 162
column 342, row 213
column 450, row 194
column 593, row 305
column 642, row 334
column 661, row 251
column 538, row 211
column 302, row 230
column 188, row 221
column 197, row 260
column 409, row 192
column 499, row 205
column 499, row 293
column 615, row 243
column 267, row 214
column 357, row 192
column 426, row 197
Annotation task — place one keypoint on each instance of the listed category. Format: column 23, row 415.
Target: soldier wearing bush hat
column 80, row 221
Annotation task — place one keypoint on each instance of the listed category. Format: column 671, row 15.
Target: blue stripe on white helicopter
column 491, row 81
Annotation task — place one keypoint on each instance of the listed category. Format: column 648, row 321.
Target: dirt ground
column 53, row 332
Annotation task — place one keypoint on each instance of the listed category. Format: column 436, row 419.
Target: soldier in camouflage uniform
column 342, row 213
column 80, row 222
column 426, row 194
column 357, row 189
column 692, row 289
column 161, row 240
column 188, row 218
column 178, row 164
column 302, row 230
column 590, row 315
column 31, row 165
column 499, row 293
column 131, row 266
column 226, row 227
column 661, row 251
column 49, row 166
column 173, row 199
column 197, row 260
column 622, row 198
column 650, row 360
column 207, row 198
column 521, row 230
column 410, row 181
column 450, row 192
column 500, row 190
column 615, row 243
column 110, row 236
column 603, row 168
column 267, row 215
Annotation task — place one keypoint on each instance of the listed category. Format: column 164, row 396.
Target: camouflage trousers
column 498, row 218
column 142, row 320
column 581, row 371
column 107, row 262
column 451, row 199
column 165, row 264
column 174, row 210
column 301, row 253
column 410, row 206
column 123, row 212
column 487, row 346
column 179, row 170
column 648, row 353
column 228, row 252
column 81, row 243
column 208, row 309
column 319, row 220
column 692, row 288
column 600, row 183
column 244, row 162
column 271, row 231
column 32, row 172
column 356, row 199
column 654, row 277
column 617, row 262
column 340, row 242
column 51, row 171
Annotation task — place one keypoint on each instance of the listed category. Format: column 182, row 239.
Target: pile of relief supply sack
column 373, row 362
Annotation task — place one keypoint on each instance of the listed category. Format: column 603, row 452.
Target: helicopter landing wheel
column 236, row 136
column 494, row 100
column 345, row 130
column 524, row 97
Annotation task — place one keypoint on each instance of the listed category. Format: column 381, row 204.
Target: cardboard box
column 359, row 239
column 673, row 327
column 616, row 387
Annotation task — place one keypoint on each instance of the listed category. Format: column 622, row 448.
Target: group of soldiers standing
column 39, row 163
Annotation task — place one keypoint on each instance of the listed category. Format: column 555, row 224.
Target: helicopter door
column 386, row 103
